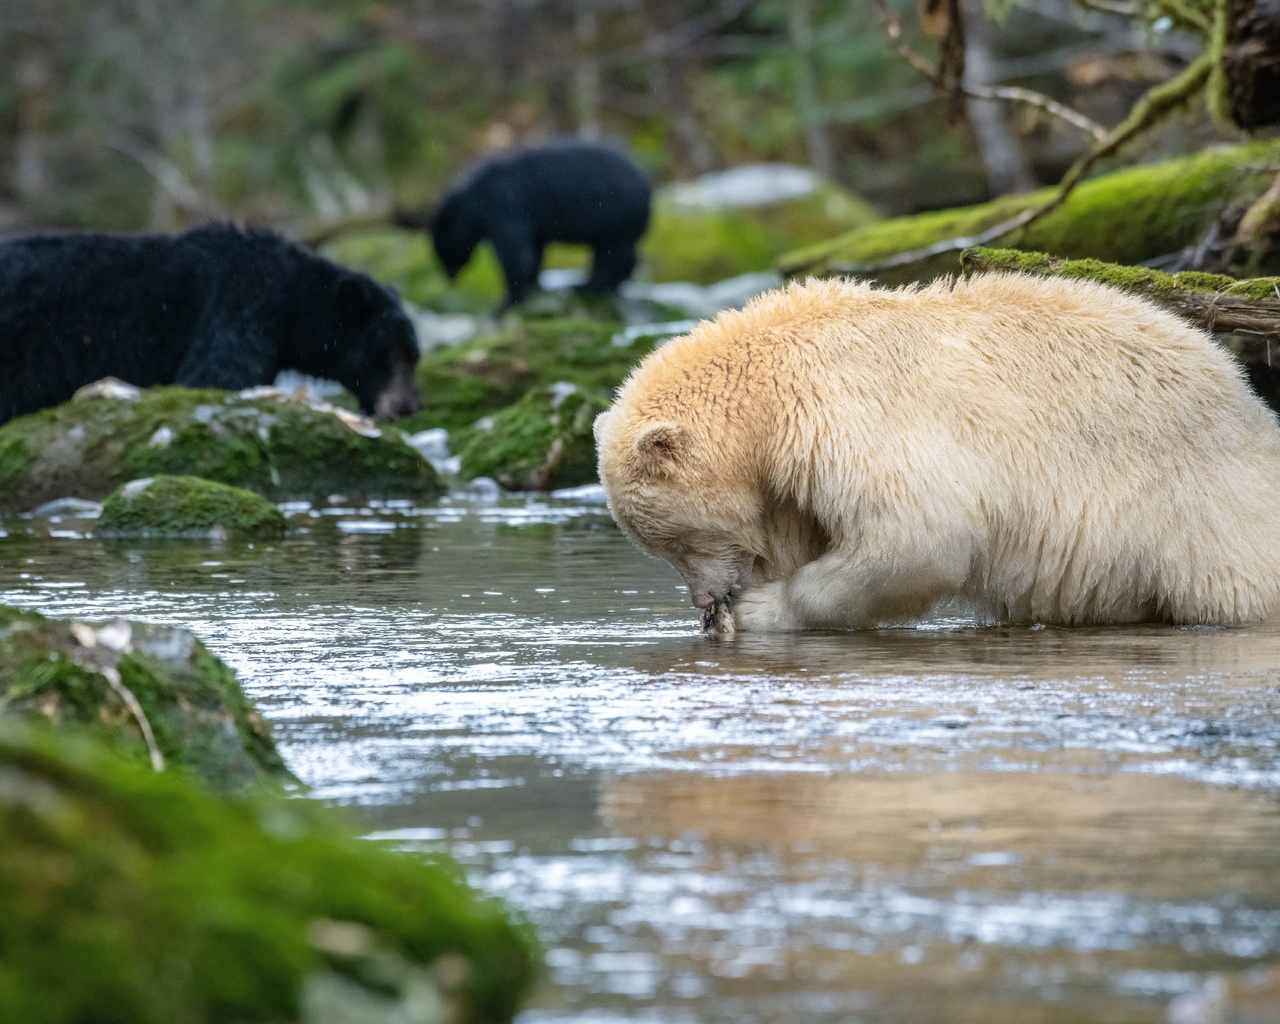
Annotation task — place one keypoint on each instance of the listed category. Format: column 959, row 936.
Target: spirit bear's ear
column 662, row 445
column 597, row 428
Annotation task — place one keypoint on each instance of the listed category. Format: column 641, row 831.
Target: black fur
column 575, row 192
column 214, row 307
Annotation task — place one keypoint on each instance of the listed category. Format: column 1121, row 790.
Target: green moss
column 541, row 442
column 405, row 260
column 1257, row 288
column 132, row 897
column 57, row 671
column 1135, row 279
column 176, row 505
column 15, row 457
column 461, row 383
column 1126, row 217
column 279, row 449
column 705, row 246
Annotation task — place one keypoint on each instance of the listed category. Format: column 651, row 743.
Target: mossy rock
column 462, row 383
column 134, row 897
column 79, row 677
column 280, row 449
column 1125, row 217
column 168, row 506
column 687, row 243
column 542, row 442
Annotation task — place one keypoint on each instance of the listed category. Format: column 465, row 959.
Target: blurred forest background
column 126, row 114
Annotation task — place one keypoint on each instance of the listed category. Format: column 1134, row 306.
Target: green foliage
column 177, row 505
column 539, row 443
column 461, row 383
column 1126, row 217
column 405, row 260
column 56, row 672
column 279, row 449
column 705, row 246
column 132, row 897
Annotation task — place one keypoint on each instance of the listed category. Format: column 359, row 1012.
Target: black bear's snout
column 393, row 403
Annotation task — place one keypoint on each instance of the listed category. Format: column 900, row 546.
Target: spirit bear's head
column 676, row 495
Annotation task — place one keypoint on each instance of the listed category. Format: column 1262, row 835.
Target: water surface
column 940, row 823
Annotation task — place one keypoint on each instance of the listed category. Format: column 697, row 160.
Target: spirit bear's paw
column 719, row 618
column 764, row 609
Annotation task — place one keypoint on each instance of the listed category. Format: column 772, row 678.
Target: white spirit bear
column 1046, row 450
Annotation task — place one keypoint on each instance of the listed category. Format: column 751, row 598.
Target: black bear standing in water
column 215, row 307
column 576, row 192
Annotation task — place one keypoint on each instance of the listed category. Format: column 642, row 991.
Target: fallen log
column 1215, row 302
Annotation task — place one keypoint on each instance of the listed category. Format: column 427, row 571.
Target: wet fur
column 575, row 192
column 214, row 307
column 836, row 455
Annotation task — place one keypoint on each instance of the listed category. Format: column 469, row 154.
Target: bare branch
column 1185, row 16
column 1156, row 104
column 1005, row 93
column 112, row 676
column 374, row 220
column 1031, row 98
column 166, row 173
column 1125, row 10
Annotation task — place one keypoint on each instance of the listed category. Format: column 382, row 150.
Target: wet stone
column 152, row 692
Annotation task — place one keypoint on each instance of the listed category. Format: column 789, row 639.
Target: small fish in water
column 719, row 618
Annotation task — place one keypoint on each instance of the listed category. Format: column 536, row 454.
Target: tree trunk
column 586, row 72
column 1006, row 167
column 817, row 140
column 1250, row 62
column 33, row 77
column 669, row 69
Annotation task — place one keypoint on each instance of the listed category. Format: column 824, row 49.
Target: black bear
column 576, row 192
column 214, row 307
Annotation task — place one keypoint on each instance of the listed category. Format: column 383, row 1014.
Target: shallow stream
column 940, row 823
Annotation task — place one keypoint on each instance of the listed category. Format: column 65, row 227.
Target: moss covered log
column 1215, row 302
column 133, row 897
column 279, row 449
column 152, row 692
column 542, row 442
column 1125, row 217
column 169, row 506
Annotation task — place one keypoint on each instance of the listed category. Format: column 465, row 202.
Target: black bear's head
column 456, row 230
column 378, row 350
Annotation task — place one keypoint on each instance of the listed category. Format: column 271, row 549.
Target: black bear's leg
column 611, row 264
column 520, row 257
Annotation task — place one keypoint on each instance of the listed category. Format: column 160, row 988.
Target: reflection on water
column 943, row 823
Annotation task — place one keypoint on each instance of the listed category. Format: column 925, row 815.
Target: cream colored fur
column 836, row 455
